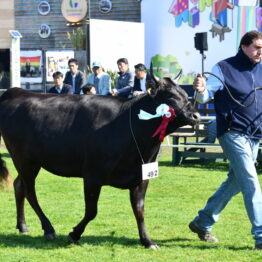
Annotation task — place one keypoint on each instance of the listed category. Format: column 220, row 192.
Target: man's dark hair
column 72, row 60
column 122, row 60
column 87, row 88
column 140, row 67
column 248, row 38
column 57, row 74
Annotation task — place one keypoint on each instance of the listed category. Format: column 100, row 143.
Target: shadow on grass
column 6, row 155
column 206, row 165
column 198, row 164
column 38, row 242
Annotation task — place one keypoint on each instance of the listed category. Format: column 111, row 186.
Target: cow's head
column 167, row 91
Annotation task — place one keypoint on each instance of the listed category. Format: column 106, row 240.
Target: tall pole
column 15, row 62
column 203, row 60
column 88, row 35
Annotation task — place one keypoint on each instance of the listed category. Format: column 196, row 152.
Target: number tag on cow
column 149, row 170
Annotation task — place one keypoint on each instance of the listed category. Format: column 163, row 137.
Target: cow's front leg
column 137, row 196
column 92, row 193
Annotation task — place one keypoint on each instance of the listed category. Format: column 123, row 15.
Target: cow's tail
column 6, row 180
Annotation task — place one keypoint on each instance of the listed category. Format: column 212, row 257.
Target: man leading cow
column 238, row 105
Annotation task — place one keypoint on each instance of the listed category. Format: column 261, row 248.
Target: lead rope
column 231, row 96
column 130, row 125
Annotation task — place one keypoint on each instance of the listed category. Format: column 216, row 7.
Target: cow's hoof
column 22, row 229
column 50, row 236
column 24, row 232
column 71, row 240
column 154, row 247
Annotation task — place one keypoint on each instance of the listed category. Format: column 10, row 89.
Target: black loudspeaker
column 201, row 42
column 260, row 3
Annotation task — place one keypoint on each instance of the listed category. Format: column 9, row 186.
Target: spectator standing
column 239, row 129
column 125, row 81
column 100, row 79
column 60, row 87
column 74, row 77
column 141, row 78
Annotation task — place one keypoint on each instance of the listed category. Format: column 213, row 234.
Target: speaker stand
column 203, row 59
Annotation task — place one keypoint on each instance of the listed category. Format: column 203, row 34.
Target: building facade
column 7, row 22
column 28, row 21
column 44, row 27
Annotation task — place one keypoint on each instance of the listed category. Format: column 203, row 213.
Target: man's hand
column 114, row 92
column 137, row 93
column 199, row 83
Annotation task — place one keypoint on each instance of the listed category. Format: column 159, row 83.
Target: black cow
column 90, row 137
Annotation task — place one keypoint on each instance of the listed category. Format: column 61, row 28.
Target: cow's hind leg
column 20, row 199
column 92, row 193
column 28, row 176
column 137, row 196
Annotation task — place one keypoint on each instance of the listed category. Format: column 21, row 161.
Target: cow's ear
column 151, row 87
column 153, row 76
column 153, row 84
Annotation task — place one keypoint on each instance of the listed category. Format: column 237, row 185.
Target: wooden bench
column 186, row 141
column 187, row 138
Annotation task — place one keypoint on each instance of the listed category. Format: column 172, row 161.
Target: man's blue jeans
column 242, row 177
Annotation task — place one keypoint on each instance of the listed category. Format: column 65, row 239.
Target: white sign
column 126, row 40
column 74, row 10
column 44, row 31
column 149, row 170
column 15, row 62
column 44, row 8
column 57, row 61
column 105, row 6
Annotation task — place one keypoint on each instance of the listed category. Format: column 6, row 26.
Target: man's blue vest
column 242, row 77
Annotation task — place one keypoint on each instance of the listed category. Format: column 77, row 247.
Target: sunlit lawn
column 172, row 201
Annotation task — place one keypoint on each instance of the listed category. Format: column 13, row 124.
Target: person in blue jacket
column 125, row 81
column 238, row 105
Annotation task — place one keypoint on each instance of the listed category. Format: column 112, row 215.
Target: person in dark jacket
column 141, row 80
column 125, row 81
column 74, row 77
column 60, row 87
column 238, row 106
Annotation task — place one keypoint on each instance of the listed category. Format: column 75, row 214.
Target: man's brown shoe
column 203, row 235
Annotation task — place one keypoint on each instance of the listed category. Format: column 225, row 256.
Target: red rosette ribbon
column 166, row 119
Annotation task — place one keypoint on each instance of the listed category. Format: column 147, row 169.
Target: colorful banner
column 218, row 7
column 259, row 19
column 171, row 47
column 245, row 2
column 245, row 21
column 31, row 66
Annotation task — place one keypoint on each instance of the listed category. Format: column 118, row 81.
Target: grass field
column 172, row 201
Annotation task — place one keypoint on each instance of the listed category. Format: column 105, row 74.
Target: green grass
column 172, row 201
